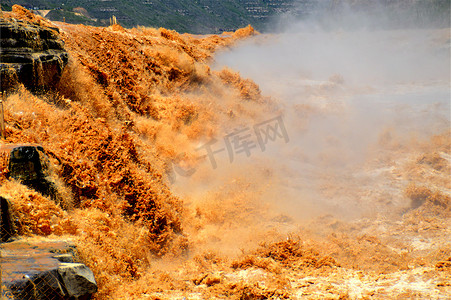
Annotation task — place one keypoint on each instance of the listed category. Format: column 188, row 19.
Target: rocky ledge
column 44, row 269
column 30, row 54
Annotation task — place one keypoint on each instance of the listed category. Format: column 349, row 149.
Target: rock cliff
column 30, row 54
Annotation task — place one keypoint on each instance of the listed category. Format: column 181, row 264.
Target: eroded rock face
column 30, row 54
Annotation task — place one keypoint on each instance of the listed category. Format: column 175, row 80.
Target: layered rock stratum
column 30, row 54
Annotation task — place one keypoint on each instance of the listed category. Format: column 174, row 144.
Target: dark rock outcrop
column 29, row 164
column 30, row 54
column 7, row 229
column 33, row 269
column 78, row 279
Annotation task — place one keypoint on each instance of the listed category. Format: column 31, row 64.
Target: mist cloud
column 341, row 87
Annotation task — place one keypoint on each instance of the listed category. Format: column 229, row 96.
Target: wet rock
column 36, row 285
column 32, row 269
column 65, row 258
column 7, row 229
column 30, row 54
column 29, row 164
column 78, row 280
